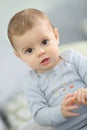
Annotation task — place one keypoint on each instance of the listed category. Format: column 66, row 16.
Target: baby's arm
column 42, row 112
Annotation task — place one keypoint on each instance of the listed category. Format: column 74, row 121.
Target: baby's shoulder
column 68, row 54
column 30, row 76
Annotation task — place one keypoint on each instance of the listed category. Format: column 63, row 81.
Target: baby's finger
column 68, row 96
column 68, row 99
column 81, row 96
column 70, row 114
column 71, row 108
column 86, row 94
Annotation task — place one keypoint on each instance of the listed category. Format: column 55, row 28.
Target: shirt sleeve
column 80, row 62
column 42, row 113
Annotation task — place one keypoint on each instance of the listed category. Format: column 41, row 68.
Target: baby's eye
column 45, row 42
column 29, row 50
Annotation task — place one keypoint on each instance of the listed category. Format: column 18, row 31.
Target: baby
column 55, row 86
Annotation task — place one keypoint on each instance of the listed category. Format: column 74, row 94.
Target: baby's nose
column 40, row 51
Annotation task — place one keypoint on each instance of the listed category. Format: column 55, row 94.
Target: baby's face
column 38, row 47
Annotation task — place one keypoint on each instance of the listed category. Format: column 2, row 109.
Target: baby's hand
column 67, row 107
column 80, row 96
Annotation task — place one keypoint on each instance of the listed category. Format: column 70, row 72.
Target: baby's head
column 23, row 21
column 34, row 39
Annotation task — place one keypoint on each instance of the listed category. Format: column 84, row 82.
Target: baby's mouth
column 45, row 61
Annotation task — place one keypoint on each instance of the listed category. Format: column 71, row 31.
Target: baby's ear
column 57, row 35
column 17, row 54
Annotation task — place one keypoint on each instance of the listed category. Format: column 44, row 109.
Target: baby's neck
column 58, row 62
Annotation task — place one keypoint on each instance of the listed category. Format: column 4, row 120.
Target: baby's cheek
column 32, row 64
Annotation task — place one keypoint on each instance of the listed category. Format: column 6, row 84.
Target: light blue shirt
column 45, row 92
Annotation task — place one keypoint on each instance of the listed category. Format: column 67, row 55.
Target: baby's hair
column 23, row 21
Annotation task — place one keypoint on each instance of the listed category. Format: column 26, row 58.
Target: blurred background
column 70, row 17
